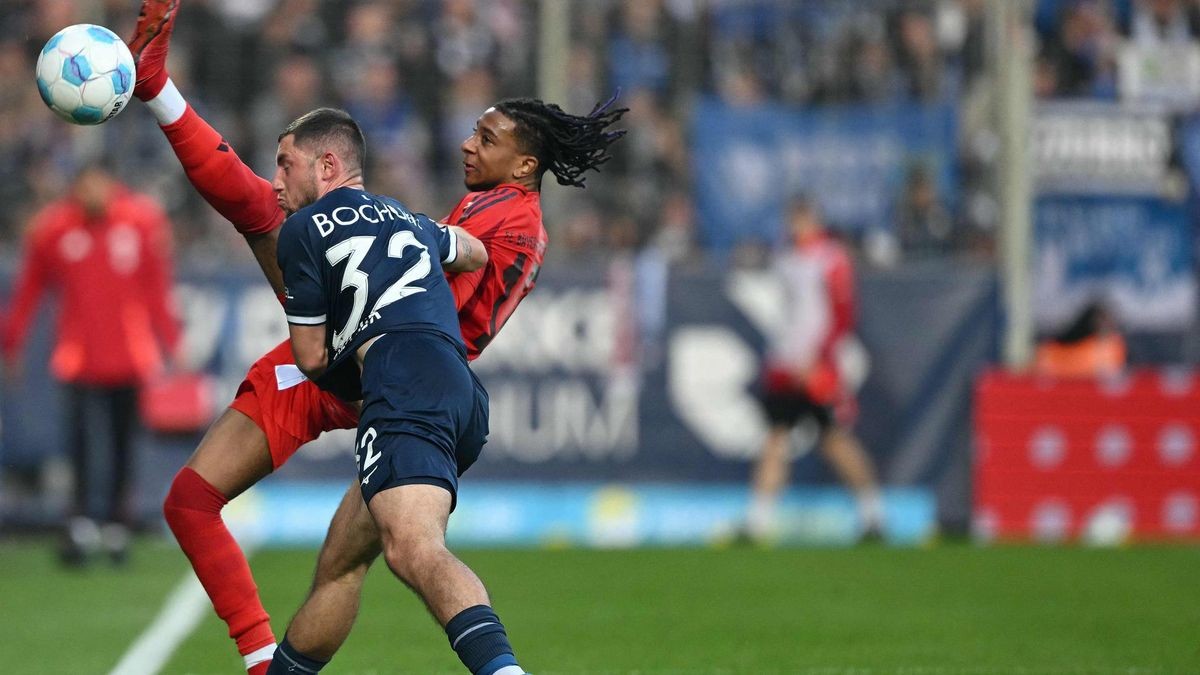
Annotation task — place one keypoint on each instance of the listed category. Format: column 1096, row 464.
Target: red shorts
column 289, row 408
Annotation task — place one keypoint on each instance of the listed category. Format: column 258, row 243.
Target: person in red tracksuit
column 803, row 376
column 106, row 251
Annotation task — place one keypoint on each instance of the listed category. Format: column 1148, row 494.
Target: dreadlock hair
column 566, row 145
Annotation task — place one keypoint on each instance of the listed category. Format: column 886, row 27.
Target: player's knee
column 189, row 496
column 408, row 557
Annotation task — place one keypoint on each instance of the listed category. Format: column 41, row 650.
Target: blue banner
column 1135, row 254
column 853, row 160
column 629, row 373
column 590, row 514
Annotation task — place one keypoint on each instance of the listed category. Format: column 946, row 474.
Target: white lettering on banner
column 743, row 165
column 710, row 375
column 842, row 169
column 758, row 295
column 260, row 323
column 202, row 312
column 570, row 330
column 563, row 420
column 1098, row 146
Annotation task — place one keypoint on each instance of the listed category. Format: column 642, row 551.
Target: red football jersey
column 508, row 220
column 113, row 274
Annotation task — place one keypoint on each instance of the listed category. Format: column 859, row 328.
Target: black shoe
column 81, row 539
column 114, row 538
column 871, row 535
column 72, row 556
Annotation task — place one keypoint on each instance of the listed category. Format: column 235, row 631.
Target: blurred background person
column 804, row 378
column 1091, row 346
column 106, row 251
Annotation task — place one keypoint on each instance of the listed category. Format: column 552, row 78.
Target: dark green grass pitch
column 953, row 609
column 861, row 611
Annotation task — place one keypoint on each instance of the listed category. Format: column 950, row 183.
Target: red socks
column 225, row 182
column 193, row 511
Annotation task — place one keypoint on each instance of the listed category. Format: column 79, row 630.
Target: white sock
column 169, row 105
column 870, row 508
column 259, row 655
column 760, row 517
column 511, row 670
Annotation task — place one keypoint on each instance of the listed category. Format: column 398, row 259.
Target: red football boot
column 149, row 46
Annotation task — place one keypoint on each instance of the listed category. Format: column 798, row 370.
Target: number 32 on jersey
column 354, row 250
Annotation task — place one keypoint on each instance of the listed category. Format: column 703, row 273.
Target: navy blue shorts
column 424, row 417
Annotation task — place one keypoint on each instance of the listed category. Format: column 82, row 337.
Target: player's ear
column 526, row 166
column 329, row 165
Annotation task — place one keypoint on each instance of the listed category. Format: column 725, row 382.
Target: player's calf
column 193, row 512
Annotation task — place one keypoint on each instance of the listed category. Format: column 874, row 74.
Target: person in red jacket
column 803, row 376
column 106, row 251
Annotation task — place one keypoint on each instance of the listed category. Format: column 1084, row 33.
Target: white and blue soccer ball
column 85, row 74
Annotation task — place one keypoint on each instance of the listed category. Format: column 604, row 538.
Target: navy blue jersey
column 364, row 265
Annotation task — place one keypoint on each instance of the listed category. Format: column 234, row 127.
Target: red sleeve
column 159, row 276
column 839, row 283
column 464, row 284
column 35, row 275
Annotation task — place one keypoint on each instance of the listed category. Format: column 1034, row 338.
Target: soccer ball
column 85, row 74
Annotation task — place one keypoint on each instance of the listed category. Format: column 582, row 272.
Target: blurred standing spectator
column 297, row 87
column 924, row 225
column 1083, row 50
column 106, row 250
column 1164, row 21
column 473, row 91
column 1092, row 346
column 387, row 117
column 656, row 161
column 919, row 56
column 805, row 378
column 637, row 54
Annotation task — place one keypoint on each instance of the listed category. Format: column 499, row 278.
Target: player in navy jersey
column 365, row 292
column 351, row 250
column 276, row 409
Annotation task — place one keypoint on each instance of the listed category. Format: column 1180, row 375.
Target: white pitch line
column 179, row 616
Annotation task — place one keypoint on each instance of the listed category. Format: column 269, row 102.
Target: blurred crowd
column 1080, row 40
column 417, row 73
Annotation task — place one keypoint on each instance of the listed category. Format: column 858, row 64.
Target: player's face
column 295, row 176
column 491, row 154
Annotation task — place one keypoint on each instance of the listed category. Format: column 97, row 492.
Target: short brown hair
column 330, row 128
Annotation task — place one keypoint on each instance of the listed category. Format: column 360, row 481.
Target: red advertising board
column 1103, row 460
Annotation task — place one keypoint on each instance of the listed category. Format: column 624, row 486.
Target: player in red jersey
column 276, row 409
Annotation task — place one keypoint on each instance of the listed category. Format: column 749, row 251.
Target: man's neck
column 354, row 182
